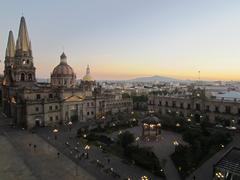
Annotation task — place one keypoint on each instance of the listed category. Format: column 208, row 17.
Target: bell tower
column 23, row 68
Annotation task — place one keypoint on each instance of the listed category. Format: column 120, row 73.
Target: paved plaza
column 163, row 148
column 76, row 148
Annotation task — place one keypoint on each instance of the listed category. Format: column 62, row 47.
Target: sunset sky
column 124, row 39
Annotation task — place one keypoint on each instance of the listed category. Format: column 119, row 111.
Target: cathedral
column 31, row 103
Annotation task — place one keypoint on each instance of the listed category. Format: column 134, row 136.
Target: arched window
column 29, row 77
column 22, row 78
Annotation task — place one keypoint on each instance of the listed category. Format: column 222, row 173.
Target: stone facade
column 31, row 104
column 197, row 105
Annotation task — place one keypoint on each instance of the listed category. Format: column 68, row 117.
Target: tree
column 126, row 138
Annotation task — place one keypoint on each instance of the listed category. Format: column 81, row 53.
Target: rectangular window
column 174, row 104
column 160, row 103
column 37, row 109
column 56, row 118
column 181, row 105
column 38, row 96
column 50, row 96
column 166, row 103
column 216, row 109
column 50, row 118
column 56, row 107
column 198, row 107
column 88, row 113
column 207, row 108
column 92, row 113
column 228, row 109
column 50, row 108
column 189, row 106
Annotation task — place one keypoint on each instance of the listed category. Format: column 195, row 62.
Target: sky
column 124, row 39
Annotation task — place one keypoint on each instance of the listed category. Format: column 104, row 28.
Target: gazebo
column 151, row 127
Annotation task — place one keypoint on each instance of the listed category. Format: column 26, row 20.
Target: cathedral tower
column 23, row 67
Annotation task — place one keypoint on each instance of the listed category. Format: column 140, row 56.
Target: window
column 50, row 96
column 92, row 113
column 198, row 107
column 22, row 78
column 88, row 113
column 160, row 103
column 207, row 108
column 181, row 105
column 238, row 110
column 174, row 104
column 37, row 109
column 56, row 118
column 228, row 109
column 38, row 96
column 56, row 107
column 189, row 106
column 216, row 109
column 50, row 118
column 166, row 103
column 29, row 77
column 87, row 104
column 50, row 107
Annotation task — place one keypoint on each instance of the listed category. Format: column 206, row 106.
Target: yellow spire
column 23, row 39
column 10, row 50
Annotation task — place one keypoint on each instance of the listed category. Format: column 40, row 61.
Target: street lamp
column 70, row 125
column 175, row 143
column 137, row 140
column 87, row 147
column 144, row 178
column 55, row 131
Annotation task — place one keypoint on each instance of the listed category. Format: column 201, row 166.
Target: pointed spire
column 23, row 39
column 88, row 70
column 10, row 50
column 63, row 58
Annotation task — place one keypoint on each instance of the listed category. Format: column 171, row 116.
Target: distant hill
column 153, row 78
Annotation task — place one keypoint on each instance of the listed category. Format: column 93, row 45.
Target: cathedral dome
column 63, row 74
column 88, row 76
column 63, row 69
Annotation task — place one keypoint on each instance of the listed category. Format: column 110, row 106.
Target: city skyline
column 124, row 40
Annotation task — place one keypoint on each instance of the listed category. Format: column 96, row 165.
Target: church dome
column 88, row 76
column 63, row 74
column 63, row 69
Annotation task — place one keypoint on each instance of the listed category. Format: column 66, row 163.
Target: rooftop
column 230, row 161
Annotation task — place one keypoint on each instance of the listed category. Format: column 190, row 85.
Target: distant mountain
column 154, row 78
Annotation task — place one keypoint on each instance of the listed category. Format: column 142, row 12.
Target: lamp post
column 70, row 125
column 137, row 140
column 87, row 147
column 175, row 143
column 55, row 131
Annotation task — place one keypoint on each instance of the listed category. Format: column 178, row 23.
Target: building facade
column 197, row 104
column 31, row 104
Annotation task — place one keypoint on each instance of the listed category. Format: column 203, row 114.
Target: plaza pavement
column 12, row 167
column 19, row 161
column 95, row 153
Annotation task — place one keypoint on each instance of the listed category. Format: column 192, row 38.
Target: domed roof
column 88, row 76
column 63, row 69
